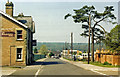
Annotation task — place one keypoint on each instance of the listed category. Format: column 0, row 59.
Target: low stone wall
column 113, row 59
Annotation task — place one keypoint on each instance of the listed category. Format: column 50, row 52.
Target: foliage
column 51, row 54
column 43, row 50
column 80, row 53
column 84, row 52
column 106, row 63
column 113, row 39
column 74, row 53
column 83, row 60
column 55, row 46
column 35, row 50
column 87, row 15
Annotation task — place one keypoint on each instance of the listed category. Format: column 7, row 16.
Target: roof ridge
column 13, row 19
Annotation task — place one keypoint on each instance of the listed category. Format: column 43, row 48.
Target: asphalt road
column 53, row 68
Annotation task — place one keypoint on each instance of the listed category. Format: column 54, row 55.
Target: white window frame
column 17, row 34
column 21, row 54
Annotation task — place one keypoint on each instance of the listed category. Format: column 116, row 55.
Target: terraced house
column 16, row 37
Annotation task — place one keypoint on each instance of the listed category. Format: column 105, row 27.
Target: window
column 19, row 34
column 22, row 21
column 19, row 54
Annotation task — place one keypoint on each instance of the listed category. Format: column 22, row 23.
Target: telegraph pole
column 89, row 39
column 65, row 45
column 71, row 42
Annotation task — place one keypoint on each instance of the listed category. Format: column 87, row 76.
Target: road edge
column 83, row 67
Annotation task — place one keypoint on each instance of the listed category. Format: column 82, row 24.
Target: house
column 69, row 52
column 16, row 37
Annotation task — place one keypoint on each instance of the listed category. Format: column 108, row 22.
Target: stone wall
column 9, row 44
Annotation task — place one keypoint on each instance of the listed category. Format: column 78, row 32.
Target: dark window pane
column 22, row 21
column 19, row 32
column 19, row 53
column 19, row 50
column 19, row 36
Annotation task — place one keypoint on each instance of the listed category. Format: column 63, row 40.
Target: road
column 54, row 67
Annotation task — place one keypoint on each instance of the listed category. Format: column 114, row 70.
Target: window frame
column 19, row 34
column 21, row 54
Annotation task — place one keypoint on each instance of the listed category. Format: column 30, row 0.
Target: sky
column 62, row 0
column 49, row 19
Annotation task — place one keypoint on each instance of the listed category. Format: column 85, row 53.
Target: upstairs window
column 19, row 35
column 22, row 21
column 19, row 54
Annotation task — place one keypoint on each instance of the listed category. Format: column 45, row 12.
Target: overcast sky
column 49, row 17
column 62, row 0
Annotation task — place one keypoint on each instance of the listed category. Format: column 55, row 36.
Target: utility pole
column 65, row 45
column 89, row 39
column 71, row 42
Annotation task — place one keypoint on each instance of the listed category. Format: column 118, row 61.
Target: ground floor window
column 19, row 54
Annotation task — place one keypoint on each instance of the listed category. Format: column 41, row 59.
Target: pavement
column 97, row 69
column 10, row 70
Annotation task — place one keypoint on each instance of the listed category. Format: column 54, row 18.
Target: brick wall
column 113, row 59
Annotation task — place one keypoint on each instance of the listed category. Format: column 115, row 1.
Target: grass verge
column 100, row 64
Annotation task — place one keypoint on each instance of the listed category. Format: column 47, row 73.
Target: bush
column 106, row 63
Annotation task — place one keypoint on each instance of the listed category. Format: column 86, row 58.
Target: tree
column 43, row 50
column 83, row 16
column 98, row 35
column 113, row 39
column 86, row 15
column 35, row 50
column 51, row 54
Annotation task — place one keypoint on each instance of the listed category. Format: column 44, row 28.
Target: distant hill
column 59, row 46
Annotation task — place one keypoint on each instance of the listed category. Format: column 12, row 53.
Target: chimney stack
column 9, row 8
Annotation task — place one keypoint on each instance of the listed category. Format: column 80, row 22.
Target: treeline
column 55, row 46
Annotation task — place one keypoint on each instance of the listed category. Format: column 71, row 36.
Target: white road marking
column 99, row 72
column 37, row 72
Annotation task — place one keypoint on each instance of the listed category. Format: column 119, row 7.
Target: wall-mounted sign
column 7, row 34
column 34, row 43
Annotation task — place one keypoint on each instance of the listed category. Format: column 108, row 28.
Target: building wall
column 9, row 44
column 0, row 39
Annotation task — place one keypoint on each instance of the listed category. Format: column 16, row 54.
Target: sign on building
column 7, row 34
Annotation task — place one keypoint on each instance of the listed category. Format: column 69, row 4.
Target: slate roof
column 27, row 20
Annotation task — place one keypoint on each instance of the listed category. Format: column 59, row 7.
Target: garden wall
column 113, row 59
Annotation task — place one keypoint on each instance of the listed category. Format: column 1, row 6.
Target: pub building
column 16, row 38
